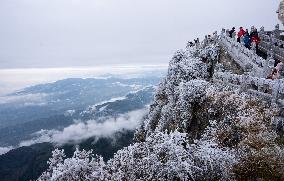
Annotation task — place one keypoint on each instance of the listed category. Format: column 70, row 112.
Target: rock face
column 197, row 129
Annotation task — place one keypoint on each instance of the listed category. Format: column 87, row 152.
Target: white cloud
column 27, row 99
column 81, row 131
column 135, row 86
column 93, row 108
column 41, row 136
column 4, row 150
column 69, row 112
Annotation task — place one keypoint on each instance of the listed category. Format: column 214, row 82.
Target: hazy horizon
column 15, row 79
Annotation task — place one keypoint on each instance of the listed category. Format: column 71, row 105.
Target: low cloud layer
column 93, row 108
column 84, row 130
column 4, row 150
column 27, row 99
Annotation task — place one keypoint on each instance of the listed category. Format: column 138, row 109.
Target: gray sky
column 70, row 33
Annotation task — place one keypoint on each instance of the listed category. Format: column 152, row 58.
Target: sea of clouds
column 79, row 131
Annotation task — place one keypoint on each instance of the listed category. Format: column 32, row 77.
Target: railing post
column 275, row 92
column 267, row 69
column 215, row 36
column 223, row 32
column 277, row 31
column 244, row 81
column 205, row 40
column 281, row 70
column 253, row 47
column 270, row 48
column 269, row 66
column 261, row 30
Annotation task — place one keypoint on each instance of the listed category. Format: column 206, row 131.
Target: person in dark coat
column 231, row 32
column 255, row 39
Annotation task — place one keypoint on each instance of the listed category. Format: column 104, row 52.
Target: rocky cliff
column 197, row 129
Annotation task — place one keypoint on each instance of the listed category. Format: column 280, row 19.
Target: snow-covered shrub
column 263, row 164
column 245, row 126
column 162, row 156
column 170, row 157
column 82, row 166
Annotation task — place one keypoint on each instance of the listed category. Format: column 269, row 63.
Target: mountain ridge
column 197, row 129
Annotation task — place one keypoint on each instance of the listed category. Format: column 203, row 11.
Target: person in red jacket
column 240, row 34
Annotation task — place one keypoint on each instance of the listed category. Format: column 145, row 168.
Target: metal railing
column 271, row 44
column 272, row 90
column 248, row 60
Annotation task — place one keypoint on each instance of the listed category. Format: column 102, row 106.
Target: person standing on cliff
column 246, row 40
column 231, row 32
column 255, row 39
column 241, row 33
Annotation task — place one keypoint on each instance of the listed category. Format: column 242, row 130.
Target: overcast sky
column 70, row 33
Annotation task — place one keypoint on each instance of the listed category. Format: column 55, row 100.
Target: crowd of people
column 248, row 39
column 208, row 38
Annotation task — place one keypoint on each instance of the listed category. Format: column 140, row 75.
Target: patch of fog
column 83, row 130
column 143, row 88
column 41, row 136
column 134, row 86
column 120, row 84
column 93, row 108
column 26, row 100
column 4, row 150
column 69, row 113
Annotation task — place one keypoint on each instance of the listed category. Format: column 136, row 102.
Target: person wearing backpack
column 240, row 34
column 247, row 40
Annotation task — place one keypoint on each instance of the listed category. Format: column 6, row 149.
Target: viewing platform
column 254, row 68
column 271, row 52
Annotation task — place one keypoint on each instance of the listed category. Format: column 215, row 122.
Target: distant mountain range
column 42, row 101
column 59, row 105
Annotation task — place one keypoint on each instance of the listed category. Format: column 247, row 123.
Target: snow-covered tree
column 82, row 166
